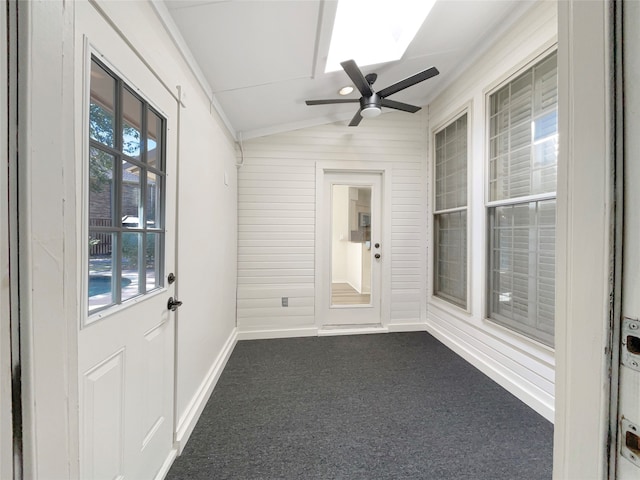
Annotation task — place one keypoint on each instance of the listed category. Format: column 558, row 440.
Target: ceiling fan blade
column 331, row 101
column 356, row 76
column 355, row 121
column 409, row 81
column 405, row 107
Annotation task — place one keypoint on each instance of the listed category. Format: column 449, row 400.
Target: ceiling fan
column 371, row 102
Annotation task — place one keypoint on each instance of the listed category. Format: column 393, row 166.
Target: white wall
column 276, row 218
column 524, row 367
column 51, row 275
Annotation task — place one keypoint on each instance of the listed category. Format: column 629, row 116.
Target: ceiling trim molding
column 162, row 12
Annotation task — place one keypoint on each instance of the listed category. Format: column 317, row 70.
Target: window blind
column 450, row 215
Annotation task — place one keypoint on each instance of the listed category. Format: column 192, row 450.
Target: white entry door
column 628, row 444
column 126, row 339
column 351, row 249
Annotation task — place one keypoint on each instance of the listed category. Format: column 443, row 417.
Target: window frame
column 506, row 324
column 441, row 299
column 121, row 83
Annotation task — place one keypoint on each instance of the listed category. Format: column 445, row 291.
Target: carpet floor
column 388, row 406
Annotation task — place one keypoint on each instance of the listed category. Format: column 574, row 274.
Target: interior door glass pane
column 154, row 139
column 350, row 245
column 152, row 206
column 131, row 124
column 131, row 248
column 101, row 107
column 101, row 270
column 152, row 261
column 131, row 187
column 101, row 192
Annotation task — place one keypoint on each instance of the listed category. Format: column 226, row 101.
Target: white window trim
column 88, row 318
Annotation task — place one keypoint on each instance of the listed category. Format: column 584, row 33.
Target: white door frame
column 585, row 241
column 7, row 163
column 385, row 170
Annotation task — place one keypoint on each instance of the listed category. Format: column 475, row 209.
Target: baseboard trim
column 509, row 381
column 355, row 330
column 407, row 327
column 277, row 333
column 199, row 400
column 166, row 465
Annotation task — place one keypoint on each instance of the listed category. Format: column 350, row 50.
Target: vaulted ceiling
column 263, row 58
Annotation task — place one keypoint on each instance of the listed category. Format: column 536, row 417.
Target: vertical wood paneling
column 276, row 216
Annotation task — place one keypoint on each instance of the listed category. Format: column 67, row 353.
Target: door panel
column 351, row 248
column 126, row 351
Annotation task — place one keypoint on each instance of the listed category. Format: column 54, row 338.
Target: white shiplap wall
column 276, row 219
column 523, row 366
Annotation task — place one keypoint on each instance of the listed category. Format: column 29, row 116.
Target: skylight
column 374, row 31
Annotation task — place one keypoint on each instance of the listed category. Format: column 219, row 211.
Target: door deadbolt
column 171, row 278
column 173, row 304
column 377, row 245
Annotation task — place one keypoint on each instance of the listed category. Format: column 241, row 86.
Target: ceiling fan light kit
column 371, row 102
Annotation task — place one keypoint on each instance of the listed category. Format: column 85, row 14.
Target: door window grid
column 522, row 184
column 126, row 192
column 450, row 213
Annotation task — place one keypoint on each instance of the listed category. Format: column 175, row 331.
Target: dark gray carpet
column 386, row 406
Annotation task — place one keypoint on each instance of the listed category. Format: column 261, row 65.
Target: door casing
column 385, row 171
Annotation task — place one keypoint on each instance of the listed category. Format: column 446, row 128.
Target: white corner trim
column 163, row 14
column 538, row 400
column 192, row 413
column 278, row 333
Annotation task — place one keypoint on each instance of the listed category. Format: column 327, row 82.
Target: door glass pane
column 152, row 262
column 131, row 124
column 101, row 270
column 154, row 139
column 152, row 206
column 131, row 188
column 350, row 245
column 131, row 243
column 101, row 108
column 100, row 188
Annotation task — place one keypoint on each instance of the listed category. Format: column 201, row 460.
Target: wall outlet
column 285, row 301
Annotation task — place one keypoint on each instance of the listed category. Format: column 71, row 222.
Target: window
column 523, row 141
column 450, row 213
column 126, row 192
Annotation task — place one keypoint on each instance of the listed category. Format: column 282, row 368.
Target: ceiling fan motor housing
column 371, row 106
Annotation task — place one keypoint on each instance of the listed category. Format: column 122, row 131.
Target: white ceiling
column 264, row 58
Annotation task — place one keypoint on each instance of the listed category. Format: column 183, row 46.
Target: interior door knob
column 173, row 304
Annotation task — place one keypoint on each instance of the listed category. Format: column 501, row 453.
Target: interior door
column 628, row 456
column 126, row 339
column 352, row 249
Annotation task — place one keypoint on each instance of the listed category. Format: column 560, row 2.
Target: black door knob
column 173, row 304
column 377, row 245
column 377, row 255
